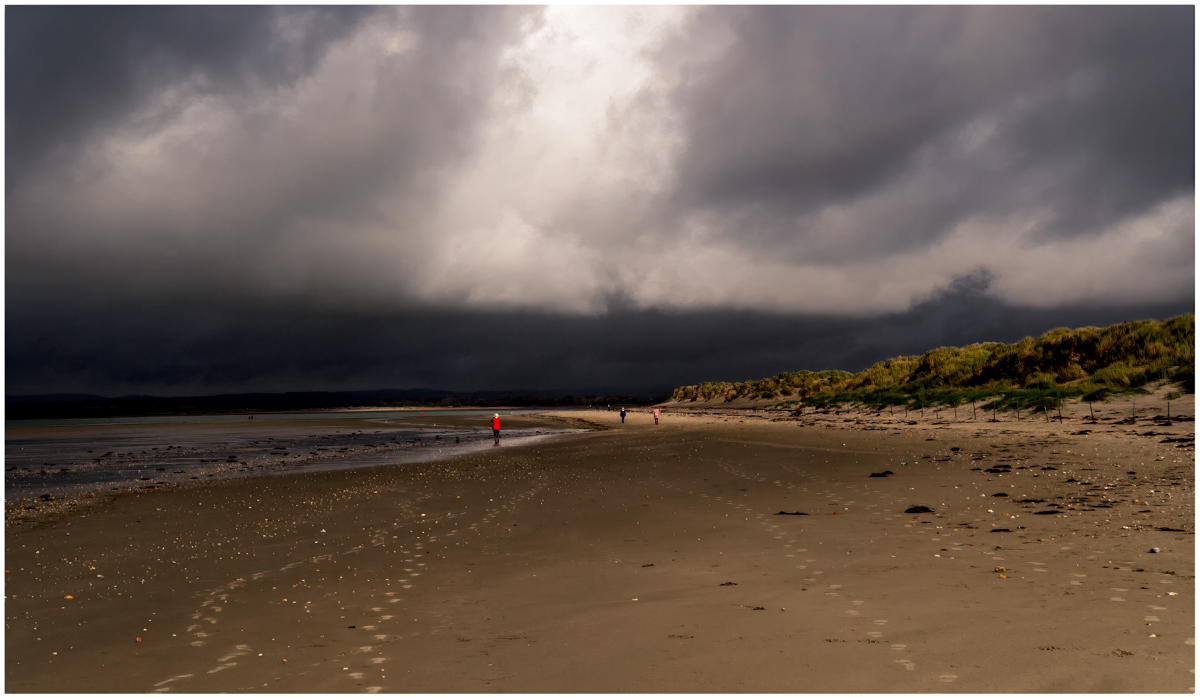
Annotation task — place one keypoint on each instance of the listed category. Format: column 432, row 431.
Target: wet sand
column 715, row 552
column 53, row 468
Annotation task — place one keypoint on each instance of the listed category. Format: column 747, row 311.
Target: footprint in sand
column 881, row 622
column 907, row 664
column 164, row 688
column 947, row 678
column 899, row 647
column 374, row 689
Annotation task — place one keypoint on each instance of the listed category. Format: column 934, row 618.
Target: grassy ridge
column 1089, row 362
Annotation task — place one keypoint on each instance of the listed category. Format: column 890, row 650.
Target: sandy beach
column 721, row 551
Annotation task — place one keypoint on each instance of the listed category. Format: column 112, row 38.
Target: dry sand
column 643, row 559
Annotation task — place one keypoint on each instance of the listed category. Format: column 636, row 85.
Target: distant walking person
column 622, row 415
column 496, row 428
column 655, row 416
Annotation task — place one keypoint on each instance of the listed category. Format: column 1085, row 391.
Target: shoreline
column 28, row 504
column 716, row 552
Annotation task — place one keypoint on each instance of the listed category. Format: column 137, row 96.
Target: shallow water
column 72, row 456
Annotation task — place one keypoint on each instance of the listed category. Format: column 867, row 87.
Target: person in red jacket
column 496, row 428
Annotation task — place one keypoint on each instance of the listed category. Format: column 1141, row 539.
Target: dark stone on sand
column 792, row 513
column 918, row 510
column 883, row 474
column 1000, row 494
column 1001, row 530
column 1049, row 467
column 1047, row 512
column 727, row 584
column 1173, row 530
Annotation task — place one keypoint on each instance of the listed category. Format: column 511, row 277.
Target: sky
column 217, row 199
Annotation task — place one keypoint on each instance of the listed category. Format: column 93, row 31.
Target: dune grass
column 1032, row 375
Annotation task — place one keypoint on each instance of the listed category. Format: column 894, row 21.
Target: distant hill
column 1089, row 361
column 68, row 406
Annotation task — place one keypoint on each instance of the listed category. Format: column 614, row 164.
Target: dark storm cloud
column 72, row 68
column 271, row 173
column 91, row 346
column 820, row 106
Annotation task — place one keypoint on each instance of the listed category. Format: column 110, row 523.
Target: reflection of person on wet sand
column 496, row 428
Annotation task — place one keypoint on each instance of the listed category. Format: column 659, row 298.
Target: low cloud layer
column 578, row 163
column 94, row 346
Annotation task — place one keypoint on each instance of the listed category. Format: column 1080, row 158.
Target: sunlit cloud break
column 678, row 158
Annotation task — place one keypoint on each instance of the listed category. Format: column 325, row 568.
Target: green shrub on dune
column 1035, row 375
